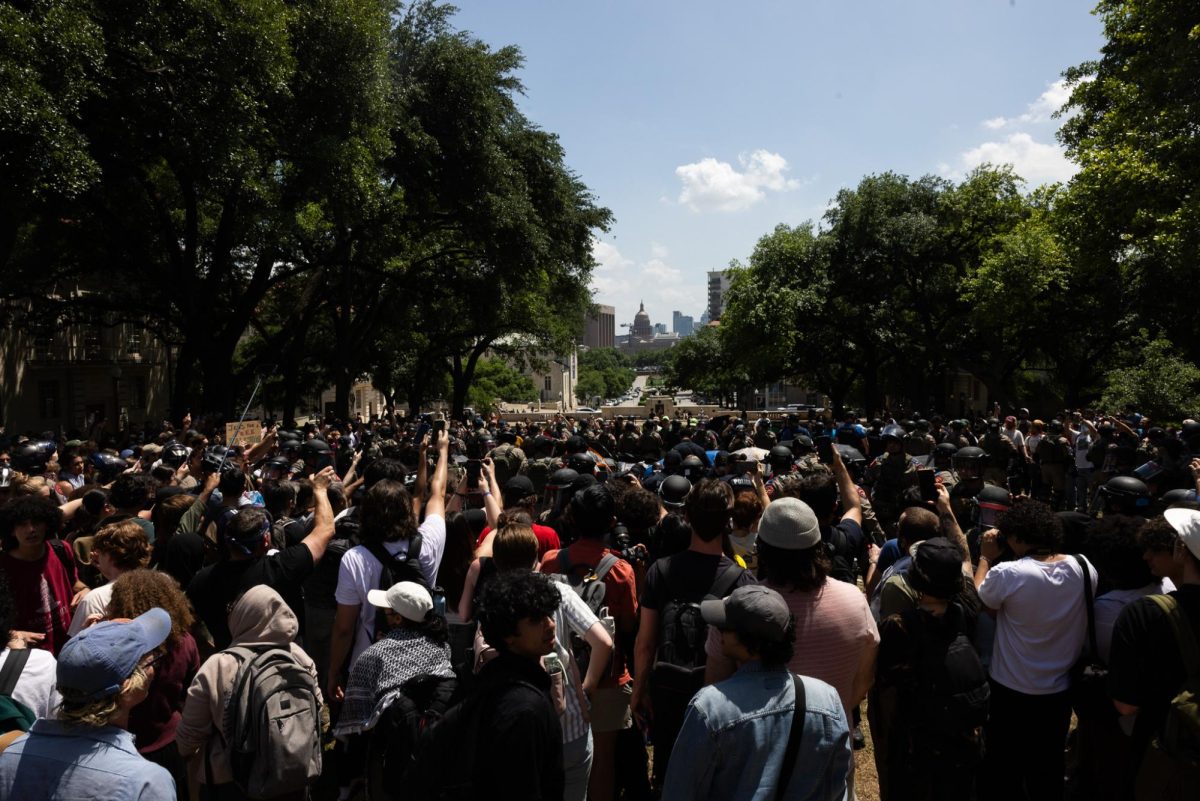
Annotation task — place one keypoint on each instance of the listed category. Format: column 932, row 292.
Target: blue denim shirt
column 734, row 734
column 66, row 763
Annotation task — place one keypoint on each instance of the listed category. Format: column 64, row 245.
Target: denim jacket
column 735, row 732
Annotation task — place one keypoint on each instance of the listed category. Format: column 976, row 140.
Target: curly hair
column 139, row 591
column 636, row 506
column 95, row 713
column 747, row 508
column 26, row 509
column 1033, row 523
column 512, row 597
column 1113, row 546
column 125, row 542
column 1157, row 535
column 167, row 515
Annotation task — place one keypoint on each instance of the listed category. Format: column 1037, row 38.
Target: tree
column 1135, row 111
column 1158, row 382
column 603, row 372
column 496, row 380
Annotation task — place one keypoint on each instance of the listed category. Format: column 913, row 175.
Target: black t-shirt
column 181, row 558
column 692, row 576
column 216, row 587
column 1145, row 667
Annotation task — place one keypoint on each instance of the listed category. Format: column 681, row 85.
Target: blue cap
column 125, row 454
column 97, row 661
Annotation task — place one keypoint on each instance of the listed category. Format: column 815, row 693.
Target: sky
column 703, row 125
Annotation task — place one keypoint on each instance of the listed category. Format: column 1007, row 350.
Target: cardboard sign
column 251, row 433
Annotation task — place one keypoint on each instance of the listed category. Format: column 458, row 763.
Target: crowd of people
column 602, row 608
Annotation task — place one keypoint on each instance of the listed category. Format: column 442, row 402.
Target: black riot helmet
column 582, row 463
column 853, row 459
column 943, row 455
column 557, row 486
column 892, row 433
column 802, row 445
column 32, row 457
column 969, row 462
column 316, row 454
column 780, row 459
column 174, row 454
column 673, row 492
column 107, row 466
column 692, row 468
column 1126, row 495
column 990, row 503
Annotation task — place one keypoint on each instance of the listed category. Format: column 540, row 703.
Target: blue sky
column 702, row 125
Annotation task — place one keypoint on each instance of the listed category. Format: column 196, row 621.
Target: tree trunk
column 185, row 367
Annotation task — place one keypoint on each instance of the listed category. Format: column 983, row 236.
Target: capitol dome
column 641, row 328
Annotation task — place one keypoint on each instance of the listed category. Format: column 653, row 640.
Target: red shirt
column 42, row 591
column 154, row 720
column 547, row 538
column 620, row 596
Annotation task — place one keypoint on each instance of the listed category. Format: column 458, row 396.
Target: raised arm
column 322, row 530
column 437, row 489
column 950, row 528
column 851, row 504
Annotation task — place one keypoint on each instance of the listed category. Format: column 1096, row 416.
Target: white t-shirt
column 36, row 686
column 1031, row 442
column 1015, row 435
column 359, row 573
column 1041, row 623
column 94, row 603
column 1083, row 442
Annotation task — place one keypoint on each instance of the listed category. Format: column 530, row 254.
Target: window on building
column 546, row 384
column 133, row 341
column 43, row 346
column 91, row 342
column 48, row 399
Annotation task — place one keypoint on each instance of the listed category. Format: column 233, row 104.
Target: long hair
column 801, row 570
column 387, row 513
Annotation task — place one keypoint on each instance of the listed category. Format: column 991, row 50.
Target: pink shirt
column 833, row 628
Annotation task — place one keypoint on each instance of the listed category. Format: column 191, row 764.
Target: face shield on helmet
column 557, row 486
column 990, row 503
column 969, row 463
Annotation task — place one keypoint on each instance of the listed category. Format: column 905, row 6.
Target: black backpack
column 396, row 568
column 841, row 556
column 682, row 626
column 393, row 744
column 947, row 703
column 447, row 753
column 14, row 716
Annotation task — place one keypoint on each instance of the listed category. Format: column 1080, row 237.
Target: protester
column 33, row 687
column 87, row 751
column 117, row 548
column 755, row 735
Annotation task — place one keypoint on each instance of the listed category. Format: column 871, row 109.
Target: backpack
column 393, row 743
column 947, row 705
column 840, row 556
column 1180, row 736
column 14, row 716
column 590, row 587
column 444, row 769
column 396, row 568
column 272, row 723
column 682, row 626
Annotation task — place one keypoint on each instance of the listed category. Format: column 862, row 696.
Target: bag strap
column 607, row 563
column 60, row 550
column 1189, row 649
column 1088, row 602
column 794, row 736
column 12, row 670
column 724, row 582
column 564, row 561
column 8, row 738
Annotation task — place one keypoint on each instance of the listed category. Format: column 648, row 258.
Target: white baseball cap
column 1186, row 523
column 406, row 598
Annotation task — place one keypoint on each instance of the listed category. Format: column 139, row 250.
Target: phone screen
column 474, row 468
column 744, row 467
column 439, row 426
column 824, row 445
column 927, row 480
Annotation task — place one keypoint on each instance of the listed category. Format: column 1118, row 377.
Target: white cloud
column 711, row 185
column 624, row 283
column 1036, row 162
column 1039, row 111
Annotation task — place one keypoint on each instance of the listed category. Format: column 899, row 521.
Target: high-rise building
column 718, row 285
column 660, row 328
column 683, row 324
column 601, row 328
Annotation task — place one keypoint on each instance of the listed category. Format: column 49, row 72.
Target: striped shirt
column 833, row 629
column 573, row 615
